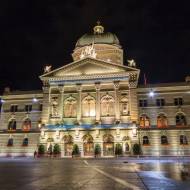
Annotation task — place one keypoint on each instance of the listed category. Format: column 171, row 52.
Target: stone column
column 116, row 92
column 97, row 86
column 49, row 103
column 62, row 102
column 79, row 89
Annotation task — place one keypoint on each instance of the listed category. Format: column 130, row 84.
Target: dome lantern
column 98, row 29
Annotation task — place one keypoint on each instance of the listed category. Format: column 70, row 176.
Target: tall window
column 143, row 103
column 107, row 105
column 27, row 124
column 28, row 108
column 40, row 107
column 10, row 142
column 88, row 106
column 162, row 121
column 12, row 124
column 70, row 107
column 25, row 142
column 145, row 140
column 180, row 119
column 178, row 101
column 160, row 102
column 164, row 140
column 14, row 108
column 183, row 140
column 144, row 121
column 124, row 106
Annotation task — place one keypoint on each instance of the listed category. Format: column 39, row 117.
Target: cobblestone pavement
column 94, row 174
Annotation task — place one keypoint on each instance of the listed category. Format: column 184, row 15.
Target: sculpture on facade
column 54, row 105
column 89, row 51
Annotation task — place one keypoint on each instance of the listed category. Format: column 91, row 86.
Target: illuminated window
column 12, row 124
column 144, row 121
column 25, row 142
column 124, row 106
column 28, row 108
column 27, row 124
column 145, row 140
column 180, row 119
column 70, row 107
column 14, row 108
column 143, row 103
column 178, row 101
column 164, row 140
column 160, row 102
column 88, row 106
column 107, row 105
column 162, row 121
column 183, row 139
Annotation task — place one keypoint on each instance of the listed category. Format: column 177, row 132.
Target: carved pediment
column 88, row 66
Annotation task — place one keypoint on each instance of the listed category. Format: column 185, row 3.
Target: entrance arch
column 68, row 145
column 108, row 145
column 88, row 145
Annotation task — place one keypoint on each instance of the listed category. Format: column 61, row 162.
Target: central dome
column 98, row 37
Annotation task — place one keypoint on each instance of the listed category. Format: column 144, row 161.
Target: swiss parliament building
column 96, row 101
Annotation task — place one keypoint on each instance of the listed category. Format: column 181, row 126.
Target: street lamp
column 151, row 93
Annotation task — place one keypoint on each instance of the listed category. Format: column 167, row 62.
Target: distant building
column 96, row 100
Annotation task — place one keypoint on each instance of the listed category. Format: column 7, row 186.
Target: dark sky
column 36, row 33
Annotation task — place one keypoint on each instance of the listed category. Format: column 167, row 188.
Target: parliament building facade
column 96, row 100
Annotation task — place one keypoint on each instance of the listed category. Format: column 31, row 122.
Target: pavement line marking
column 116, row 179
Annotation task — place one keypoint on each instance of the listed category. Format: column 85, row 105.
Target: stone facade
column 94, row 101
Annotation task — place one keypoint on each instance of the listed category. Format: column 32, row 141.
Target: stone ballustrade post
column 79, row 89
column 97, row 86
column 117, row 111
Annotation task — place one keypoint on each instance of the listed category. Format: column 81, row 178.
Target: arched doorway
column 88, row 145
column 126, row 145
column 108, row 145
column 68, row 144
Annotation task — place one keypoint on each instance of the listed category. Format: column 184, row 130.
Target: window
column 162, row 121
column 145, row 140
column 144, row 121
column 180, row 119
column 178, row 101
column 12, row 124
column 143, row 103
column 107, row 105
column 28, row 108
column 89, row 106
column 10, row 142
column 183, row 140
column 14, row 108
column 124, row 108
column 40, row 107
column 160, row 102
column 26, row 126
column 70, row 107
column 25, row 142
column 164, row 140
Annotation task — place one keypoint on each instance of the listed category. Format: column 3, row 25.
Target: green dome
column 102, row 38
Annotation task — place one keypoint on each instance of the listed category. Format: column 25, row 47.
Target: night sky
column 36, row 33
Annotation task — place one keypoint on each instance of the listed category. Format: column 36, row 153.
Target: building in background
column 96, row 100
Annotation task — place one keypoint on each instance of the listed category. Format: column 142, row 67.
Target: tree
column 75, row 150
column 56, row 149
column 97, row 149
column 118, row 149
column 41, row 149
column 136, row 149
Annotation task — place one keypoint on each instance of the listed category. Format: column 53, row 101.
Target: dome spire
column 98, row 29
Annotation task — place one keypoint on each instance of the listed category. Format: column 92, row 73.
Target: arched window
column 127, row 148
column 88, row 145
column 27, row 124
column 25, row 142
column 162, row 121
column 164, row 140
column 12, row 124
column 180, row 119
column 183, row 139
column 88, row 106
column 144, row 121
column 107, row 105
column 124, row 108
column 70, row 107
column 145, row 140
column 10, row 142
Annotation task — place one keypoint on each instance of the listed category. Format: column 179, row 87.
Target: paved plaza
column 94, row 174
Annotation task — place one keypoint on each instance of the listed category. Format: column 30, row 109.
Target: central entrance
column 68, row 144
column 108, row 145
column 88, row 145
